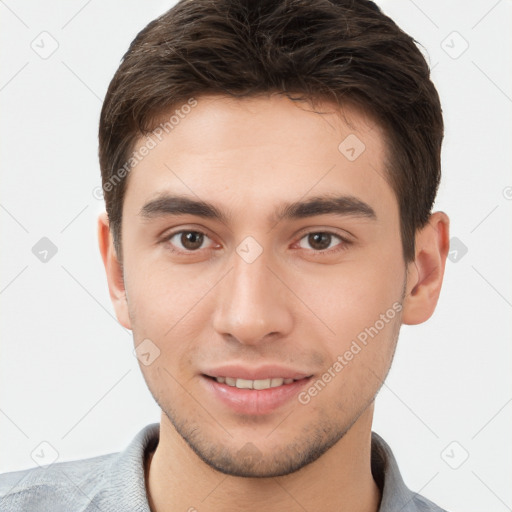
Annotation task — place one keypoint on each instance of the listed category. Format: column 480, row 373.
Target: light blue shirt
column 115, row 482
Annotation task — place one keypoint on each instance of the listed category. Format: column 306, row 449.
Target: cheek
column 362, row 306
column 166, row 306
column 159, row 294
column 354, row 298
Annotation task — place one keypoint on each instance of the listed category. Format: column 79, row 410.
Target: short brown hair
column 337, row 50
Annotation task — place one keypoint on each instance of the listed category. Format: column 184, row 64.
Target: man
column 269, row 170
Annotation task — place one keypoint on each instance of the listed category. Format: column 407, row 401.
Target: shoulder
column 395, row 494
column 109, row 483
column 61, row 486
column 422, row 504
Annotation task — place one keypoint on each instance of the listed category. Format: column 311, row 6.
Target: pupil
column 315, row 240
column 192, row 240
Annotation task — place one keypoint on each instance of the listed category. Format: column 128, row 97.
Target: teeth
column 261, row 384
column 244, row 384
column 253, row 384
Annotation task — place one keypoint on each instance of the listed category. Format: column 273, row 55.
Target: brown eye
column 321, row 240
column 191, row 240
column 186, row 241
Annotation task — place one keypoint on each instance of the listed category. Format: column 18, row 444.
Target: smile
column 253, row 396
column 253, row 384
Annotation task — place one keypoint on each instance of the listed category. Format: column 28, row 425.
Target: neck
column 341, row 479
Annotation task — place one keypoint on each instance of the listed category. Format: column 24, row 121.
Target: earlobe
column 425, row 274
column 114, row 271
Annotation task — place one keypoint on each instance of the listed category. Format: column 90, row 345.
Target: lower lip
column 254, row 401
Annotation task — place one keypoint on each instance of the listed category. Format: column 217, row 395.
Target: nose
column 254, row 303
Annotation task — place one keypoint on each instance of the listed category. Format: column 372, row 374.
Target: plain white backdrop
column 68, row 375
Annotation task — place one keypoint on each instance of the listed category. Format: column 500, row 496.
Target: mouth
column 253, row 396
column 257, row 384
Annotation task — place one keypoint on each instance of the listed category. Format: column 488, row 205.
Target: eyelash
column 342, row 247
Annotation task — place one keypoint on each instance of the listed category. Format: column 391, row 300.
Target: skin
column 296, row 304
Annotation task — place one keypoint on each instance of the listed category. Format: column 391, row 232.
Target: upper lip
column 260, row 373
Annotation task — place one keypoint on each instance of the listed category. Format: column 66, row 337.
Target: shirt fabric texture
column 115, row 482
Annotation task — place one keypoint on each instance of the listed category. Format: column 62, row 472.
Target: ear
column 114, row 271
column 425, row 273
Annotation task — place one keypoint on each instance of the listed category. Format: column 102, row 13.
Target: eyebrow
column 167, row 205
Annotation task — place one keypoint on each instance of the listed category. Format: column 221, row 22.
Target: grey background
column 68, row 375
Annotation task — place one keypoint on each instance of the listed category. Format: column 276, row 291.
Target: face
column 292, row 276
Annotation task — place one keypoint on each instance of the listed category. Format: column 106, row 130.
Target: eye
column 186, row 240
column 190, row 241
column 321, row 242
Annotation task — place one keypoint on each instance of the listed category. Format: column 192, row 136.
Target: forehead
column 261, row 151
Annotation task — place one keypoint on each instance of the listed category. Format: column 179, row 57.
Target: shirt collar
column 395, row 496
column 125, row 476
